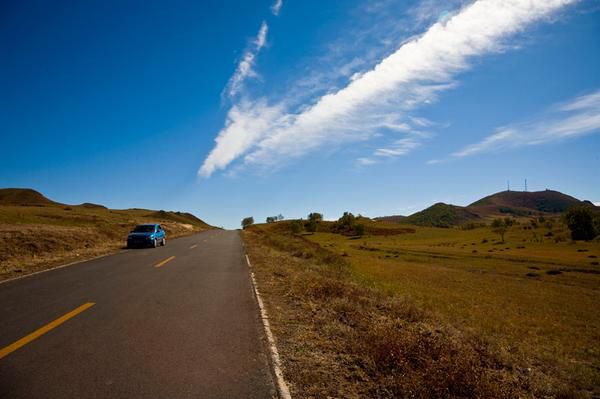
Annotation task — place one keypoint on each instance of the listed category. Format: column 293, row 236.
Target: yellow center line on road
column 41, row 331
column 164, row 262
column 193, row 246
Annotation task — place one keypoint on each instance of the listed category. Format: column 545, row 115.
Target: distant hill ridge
column 504, row 203
column 23, row 196
column 548, row 201
column 29, row 197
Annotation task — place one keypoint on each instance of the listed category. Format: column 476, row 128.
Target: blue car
column 147, row 235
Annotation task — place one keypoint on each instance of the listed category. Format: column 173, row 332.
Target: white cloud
column 578, row 117
column 399, row 147
column 246, row 65
column 276, row 7
column 365, row 161
column 411, row 76
column 246, row 123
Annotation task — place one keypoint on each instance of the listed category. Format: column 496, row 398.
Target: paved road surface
column 189, row 328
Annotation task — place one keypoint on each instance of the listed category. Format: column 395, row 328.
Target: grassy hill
column 23, row 197
column 505, row 203
column 37, row 233
column 523, row 203
column 441, row 215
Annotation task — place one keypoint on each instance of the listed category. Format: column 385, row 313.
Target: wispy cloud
column 245, row 68
column 365, row 161
column 276, row 7
column 575, row 118
column 412, row 76
column 398, row 147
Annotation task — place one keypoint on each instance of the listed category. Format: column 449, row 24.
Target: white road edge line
column 284, row 391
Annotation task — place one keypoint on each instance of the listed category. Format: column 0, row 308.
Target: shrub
column 359, row 229
column 249, row 221
column 312, row 226
column 296, row 226
column 533, row 223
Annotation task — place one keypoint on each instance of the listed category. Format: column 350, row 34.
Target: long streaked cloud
column 245, row 68
column 575, row 118
column 276, row 7
column 378, row 99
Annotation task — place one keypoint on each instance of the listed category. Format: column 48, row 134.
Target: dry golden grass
column 410, row 315
column 34, row 238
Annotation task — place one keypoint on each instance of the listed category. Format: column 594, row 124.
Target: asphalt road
column 188, row 328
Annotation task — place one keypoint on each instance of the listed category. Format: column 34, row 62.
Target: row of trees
column 311, row 225
column 583, row 222
column 249, row 221
column 347, row 224
column 273, row 219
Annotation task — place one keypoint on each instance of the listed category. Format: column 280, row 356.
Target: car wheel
column 155, row 243
column 163, row 242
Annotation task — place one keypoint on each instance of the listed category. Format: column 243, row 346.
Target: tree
column 271, row 219
column 296, row 226
column 359, row 229
column 313, row 221
column 247, row 222
column 280, row 217
column 500, row 227
column 347, row 220
column 580, row 221
column 316, row 216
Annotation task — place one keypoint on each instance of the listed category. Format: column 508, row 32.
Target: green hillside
column 441, row 215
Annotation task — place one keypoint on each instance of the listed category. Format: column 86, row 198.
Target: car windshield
column 143, row 228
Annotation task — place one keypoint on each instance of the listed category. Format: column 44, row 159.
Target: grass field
column 533, row 300
column 34, row 238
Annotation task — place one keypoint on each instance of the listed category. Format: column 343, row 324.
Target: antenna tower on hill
column 525, row 185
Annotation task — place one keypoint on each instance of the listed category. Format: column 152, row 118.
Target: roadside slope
column 339, row 337
column 37, row 233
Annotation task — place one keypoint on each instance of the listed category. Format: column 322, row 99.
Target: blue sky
column 376, row 107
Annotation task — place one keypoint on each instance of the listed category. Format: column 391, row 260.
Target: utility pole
column 508, row 185
column 525, row 185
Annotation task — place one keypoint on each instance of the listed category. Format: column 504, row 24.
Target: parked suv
column 146, row 235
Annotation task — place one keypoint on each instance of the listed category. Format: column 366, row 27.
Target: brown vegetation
column 341, row 336
column 37, row 233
